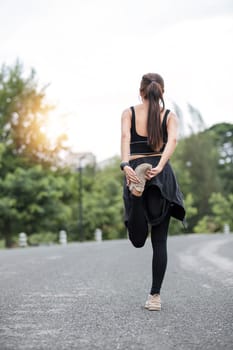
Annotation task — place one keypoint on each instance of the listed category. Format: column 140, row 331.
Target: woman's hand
column 153, row 172
column 130, row 175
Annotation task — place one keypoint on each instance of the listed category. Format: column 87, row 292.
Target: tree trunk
column 7, row 234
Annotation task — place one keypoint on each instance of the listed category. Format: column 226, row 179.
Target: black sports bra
column 139, row 144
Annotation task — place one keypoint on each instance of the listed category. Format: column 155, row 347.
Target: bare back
column 141, row 113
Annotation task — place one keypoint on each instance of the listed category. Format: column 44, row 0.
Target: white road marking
column 209, row 253
column 205, row 258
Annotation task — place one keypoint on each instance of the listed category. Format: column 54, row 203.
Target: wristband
column 123, row 164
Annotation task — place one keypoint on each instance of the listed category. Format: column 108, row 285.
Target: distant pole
column 80, row 203
column 80, row 157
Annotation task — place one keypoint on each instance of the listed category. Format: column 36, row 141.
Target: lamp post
column 80, row 203
column 89, row 159
column 80, row 198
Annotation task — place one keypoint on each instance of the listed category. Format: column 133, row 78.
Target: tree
column 23, row 110
column 221, row 214
column 33, row 200
column 222, row 135
column 30, row 196
column 175, row 226
column 203, row 163
column 195, row 163
column 36, row 195
column 103, row 204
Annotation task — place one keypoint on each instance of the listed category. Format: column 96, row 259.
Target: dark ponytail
column 152, row 88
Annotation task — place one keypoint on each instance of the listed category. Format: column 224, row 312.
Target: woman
column 151, row 193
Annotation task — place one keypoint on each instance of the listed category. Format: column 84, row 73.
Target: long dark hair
column 151, row 89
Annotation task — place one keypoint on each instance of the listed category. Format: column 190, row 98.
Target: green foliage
column 203, row 163
column 103, row 204
column 40, row 198
column 33, row 200
column 221, row 214
column 31, row 196
column 43, row 238
column 196, row 165
column 222, row 135
column 175, row 227
column 23, row 112
column 206, row 225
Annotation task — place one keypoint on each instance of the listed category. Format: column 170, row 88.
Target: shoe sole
column 138, row 170
column 154, row 308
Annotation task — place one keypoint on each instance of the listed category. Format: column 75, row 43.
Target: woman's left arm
column 125, row 147
column 172, row 131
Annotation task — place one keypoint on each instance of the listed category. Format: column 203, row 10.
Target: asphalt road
column 91, row 296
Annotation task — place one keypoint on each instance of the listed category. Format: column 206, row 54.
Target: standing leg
column 137, row 223
column 156, row 208
column 159, row 260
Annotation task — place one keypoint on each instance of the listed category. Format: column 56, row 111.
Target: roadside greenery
column 40, row 197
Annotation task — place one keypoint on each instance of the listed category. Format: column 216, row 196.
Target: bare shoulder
column 126, row 114
column 139, row 106
column 172, row 118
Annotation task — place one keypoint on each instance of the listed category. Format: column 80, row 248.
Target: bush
column 43, row 238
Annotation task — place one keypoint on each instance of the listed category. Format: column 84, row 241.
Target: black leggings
column 138, row 232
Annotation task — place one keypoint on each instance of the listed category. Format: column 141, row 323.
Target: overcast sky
column 93, row 54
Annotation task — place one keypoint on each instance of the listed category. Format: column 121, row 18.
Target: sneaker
column 148, row 301
column 153, row 303
column 140, row 171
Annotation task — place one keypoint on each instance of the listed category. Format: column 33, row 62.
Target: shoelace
column 155, row 299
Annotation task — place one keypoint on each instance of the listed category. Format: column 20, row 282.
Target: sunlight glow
column 54, row 126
